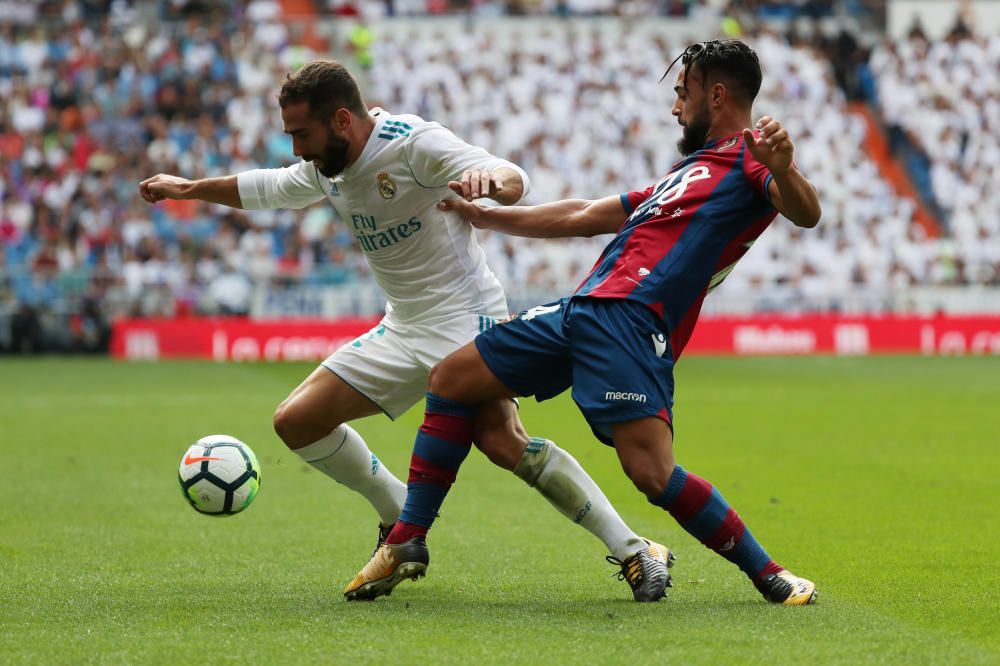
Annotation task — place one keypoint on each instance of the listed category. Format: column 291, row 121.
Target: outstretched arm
column 791, row 193
column 571, row 217
column 295, row 186
column 222, row 190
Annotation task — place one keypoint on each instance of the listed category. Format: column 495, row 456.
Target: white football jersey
column 426, row 261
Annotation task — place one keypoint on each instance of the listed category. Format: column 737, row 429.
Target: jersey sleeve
column 631, row 200
column 437, row 156
column 757, row 174
column 296, row 186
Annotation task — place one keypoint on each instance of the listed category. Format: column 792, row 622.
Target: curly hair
column 730, row 60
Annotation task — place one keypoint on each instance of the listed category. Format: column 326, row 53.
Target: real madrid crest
column 386, row 187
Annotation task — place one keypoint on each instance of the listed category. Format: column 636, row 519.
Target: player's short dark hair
column 326, row 85
column 729, row 59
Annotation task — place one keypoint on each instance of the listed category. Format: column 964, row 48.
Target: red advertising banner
column 832, row 334
column 242, row 339
column 234, row 338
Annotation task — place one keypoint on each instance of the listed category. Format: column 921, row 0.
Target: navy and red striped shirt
column 685, row 234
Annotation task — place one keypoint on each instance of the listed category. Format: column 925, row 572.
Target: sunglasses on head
column 695, row 49
column 691, row 53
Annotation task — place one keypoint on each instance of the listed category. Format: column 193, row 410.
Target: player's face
column 691, row 111
column 314, row 140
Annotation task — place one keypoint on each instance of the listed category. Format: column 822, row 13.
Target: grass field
column 878, row 478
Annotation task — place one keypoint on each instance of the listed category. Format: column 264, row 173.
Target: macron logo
column 619, row 395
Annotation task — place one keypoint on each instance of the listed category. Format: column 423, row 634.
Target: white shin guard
column 344, row 457
column 559, row 478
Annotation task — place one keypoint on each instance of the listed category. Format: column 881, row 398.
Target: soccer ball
column 219, row 475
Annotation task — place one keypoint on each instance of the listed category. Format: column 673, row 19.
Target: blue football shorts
column 615, row 353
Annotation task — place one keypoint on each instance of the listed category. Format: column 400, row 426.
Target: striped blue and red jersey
column 685, row 234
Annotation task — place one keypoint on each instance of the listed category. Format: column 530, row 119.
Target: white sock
column 560, row 479
column 344, row 457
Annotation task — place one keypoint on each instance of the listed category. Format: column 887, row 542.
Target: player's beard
column 333, row 159
column 695, row 132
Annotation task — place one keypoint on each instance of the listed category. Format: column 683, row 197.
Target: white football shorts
column 390, row 363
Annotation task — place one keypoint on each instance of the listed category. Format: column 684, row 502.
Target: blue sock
column 442, row 443
column 706, row 515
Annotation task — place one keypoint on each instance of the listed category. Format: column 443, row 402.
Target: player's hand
column 772, row 148
column 470, row 211
column 163, row 186
column 477, row 184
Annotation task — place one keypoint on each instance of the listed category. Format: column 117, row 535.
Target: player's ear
column 341, row 119
column 718, row 94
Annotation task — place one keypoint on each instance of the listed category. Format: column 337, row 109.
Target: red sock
column 771, row 567
column 403, row 532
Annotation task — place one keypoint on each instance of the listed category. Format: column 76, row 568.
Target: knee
column 434, row 379
column 648, row 474
column 501, row 446
column 284, row 421
column 439, row 380
column 449, row 378
column 294, row 426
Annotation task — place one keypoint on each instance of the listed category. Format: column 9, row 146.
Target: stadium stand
column 99, row 95
column 941, row 103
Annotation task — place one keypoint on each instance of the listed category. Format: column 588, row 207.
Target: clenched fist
column 163, row 186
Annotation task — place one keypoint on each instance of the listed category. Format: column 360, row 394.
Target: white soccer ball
column 219, row 475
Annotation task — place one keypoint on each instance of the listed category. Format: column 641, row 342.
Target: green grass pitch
column 877, row 477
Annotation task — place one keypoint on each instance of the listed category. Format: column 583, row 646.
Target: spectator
column 93, row 102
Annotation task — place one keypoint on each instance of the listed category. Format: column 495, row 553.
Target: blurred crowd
column 91, row 108
column 782, row 9
column 942, row 101
column 584, row 114
column 97, row 96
